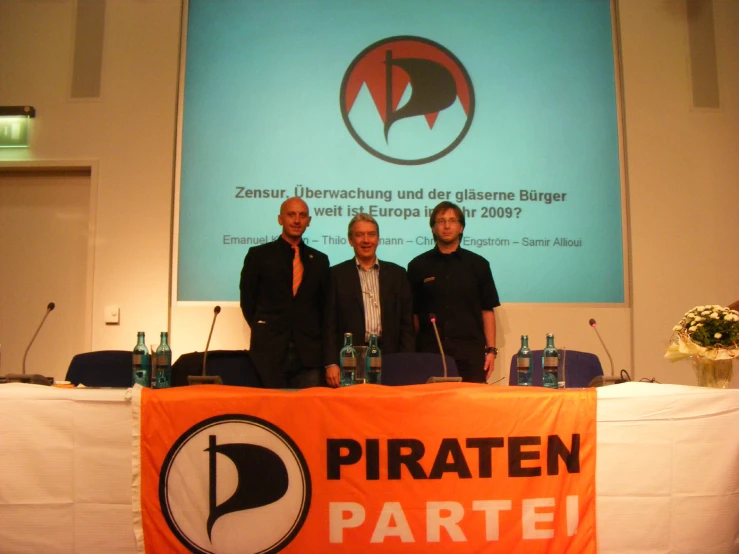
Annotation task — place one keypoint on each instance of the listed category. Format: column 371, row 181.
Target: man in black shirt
column 457, row 286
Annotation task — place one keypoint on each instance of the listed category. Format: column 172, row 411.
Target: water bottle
column 525, row 363
column 348, row 361
column 550, row 364
column 373, row 362
column 141, row 362
column 163, row 378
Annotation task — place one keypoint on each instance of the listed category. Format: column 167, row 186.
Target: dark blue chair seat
column 580, row 368
column 234, row 367
column 414, row 368
column 103, row 368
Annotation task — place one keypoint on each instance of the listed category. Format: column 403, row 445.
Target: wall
column 682, row 171
column 127, row 135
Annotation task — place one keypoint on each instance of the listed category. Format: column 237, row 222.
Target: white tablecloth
column 667, row 472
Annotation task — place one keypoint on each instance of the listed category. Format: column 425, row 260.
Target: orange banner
column 368, row 469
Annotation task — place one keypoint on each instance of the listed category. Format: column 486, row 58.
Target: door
column 44, row 255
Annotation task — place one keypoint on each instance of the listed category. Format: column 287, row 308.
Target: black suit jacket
column 275, row 315
column 345, row 310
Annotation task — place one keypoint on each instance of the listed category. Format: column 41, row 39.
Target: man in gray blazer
column 367, row 296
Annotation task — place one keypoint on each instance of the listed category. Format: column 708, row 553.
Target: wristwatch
column 491, row 350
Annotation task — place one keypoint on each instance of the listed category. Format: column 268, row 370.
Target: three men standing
column 299, row 310
column 457, row 286
column 367, row 296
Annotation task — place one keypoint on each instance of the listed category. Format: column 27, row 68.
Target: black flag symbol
column 433, row 88
column 262, row 478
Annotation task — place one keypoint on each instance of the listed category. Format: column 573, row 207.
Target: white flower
column 706, row 312
column 693, row 328
column 717, row 336
column 728, row 317
column 699, row 308
column 714, row 315
column 698, row 318
column 677, row 328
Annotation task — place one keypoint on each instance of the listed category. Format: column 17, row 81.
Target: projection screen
column 505, row 108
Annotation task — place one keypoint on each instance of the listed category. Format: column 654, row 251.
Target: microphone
column 206, row 379
column 34, row 378
column 216, row 311
column 602, row 380
column 49, row 308
column 445, row 379
column 593, row 325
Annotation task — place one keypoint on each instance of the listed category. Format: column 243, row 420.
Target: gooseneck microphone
column 34, row 378
column 603, row 380
column 432, row 319
column 446, row 378
column 204, row 378
column 216, row 311
column 49, row 308
column 593, row 325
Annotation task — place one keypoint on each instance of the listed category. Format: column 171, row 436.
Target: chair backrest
column 234, row 367
column 414, row 368
column 580, row 368
column 103, row 368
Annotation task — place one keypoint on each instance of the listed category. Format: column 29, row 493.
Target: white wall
column 682, row 174
column 683, row 170
column 128, row 135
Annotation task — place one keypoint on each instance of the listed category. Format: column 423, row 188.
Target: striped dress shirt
column 369, row 280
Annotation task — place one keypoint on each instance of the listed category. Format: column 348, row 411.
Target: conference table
column 666, row 478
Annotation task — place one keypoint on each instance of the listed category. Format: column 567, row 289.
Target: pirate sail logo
column 234, row 483
column 407, row 100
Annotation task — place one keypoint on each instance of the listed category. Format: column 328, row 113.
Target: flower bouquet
column 710, row 335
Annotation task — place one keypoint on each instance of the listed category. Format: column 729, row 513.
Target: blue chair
column 415, row 368
column 580, row 368
column 103, row 368
column 234, row 367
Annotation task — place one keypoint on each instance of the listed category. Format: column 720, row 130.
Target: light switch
column 112, row 315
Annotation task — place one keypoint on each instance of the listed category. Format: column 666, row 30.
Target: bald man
column 283, row 288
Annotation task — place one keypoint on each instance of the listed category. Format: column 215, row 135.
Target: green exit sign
column 14, row 131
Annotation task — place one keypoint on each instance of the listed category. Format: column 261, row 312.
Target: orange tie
column 297, row 270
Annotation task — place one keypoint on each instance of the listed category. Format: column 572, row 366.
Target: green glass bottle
column 525, row 363
column 348, row 361
column 550, row 364
column 141, row 362
column 163, row 377
column 373, row 362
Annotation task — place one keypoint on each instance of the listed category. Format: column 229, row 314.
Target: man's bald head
column 294, row 219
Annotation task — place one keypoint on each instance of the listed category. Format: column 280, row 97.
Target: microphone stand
column 34, row 379
column 603, row 380
column 446, row 378
column 593, row 325
column 206, row 379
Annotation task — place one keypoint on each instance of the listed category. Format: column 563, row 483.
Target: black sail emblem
column 432, row 88
column 261, row 478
